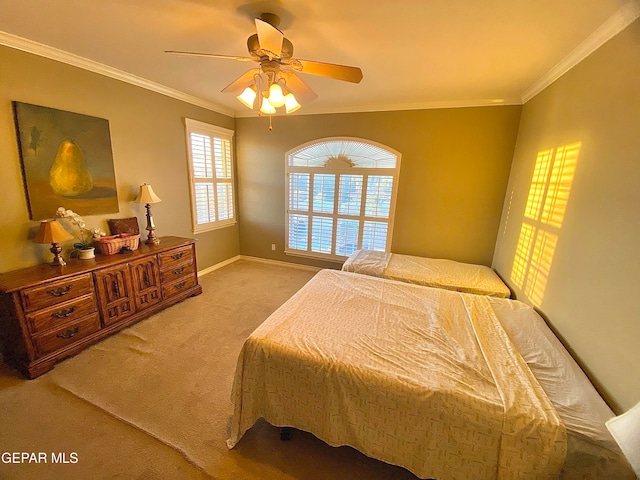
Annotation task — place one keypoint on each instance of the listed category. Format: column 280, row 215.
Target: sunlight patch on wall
column 538, row 185
column 564, row 168
column 523, row 250
column 545, row 210
column 540, row 265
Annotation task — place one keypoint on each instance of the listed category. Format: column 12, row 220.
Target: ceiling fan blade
column 211, row 55
column 243, row 81
column 339, row 72
column 270, row 39
column 297, row 86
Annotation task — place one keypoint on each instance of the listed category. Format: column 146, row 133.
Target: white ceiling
column 413, row 53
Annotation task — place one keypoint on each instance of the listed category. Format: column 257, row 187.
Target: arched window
column 341, row 196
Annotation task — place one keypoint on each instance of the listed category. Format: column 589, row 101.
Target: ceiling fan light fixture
column 290, row 103
column 267, row 107
column 248, row 96
column 266, row 87
column 276, row 96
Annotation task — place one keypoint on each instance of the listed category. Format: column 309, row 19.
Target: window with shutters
column 211, row 172
column 340, row 197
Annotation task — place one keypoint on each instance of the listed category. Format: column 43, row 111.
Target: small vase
column 86, row 253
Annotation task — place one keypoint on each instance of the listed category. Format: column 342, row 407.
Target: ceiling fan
column 275, row 82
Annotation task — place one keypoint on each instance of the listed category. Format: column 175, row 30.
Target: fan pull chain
column 270, row 127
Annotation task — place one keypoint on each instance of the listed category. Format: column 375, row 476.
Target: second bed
column 430, row 272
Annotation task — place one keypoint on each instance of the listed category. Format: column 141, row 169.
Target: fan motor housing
column 253, row 46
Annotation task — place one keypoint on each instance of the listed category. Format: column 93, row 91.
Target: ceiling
column 413, row 53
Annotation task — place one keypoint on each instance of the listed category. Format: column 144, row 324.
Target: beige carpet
column 152, row 402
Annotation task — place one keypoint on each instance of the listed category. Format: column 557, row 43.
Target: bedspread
column 431, row 272
column 418, row 377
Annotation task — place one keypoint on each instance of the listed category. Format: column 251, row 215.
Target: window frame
column 224, row 134
column 338, row 171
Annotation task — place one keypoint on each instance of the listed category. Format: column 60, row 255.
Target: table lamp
column 148, row 196
column 625, row 429
column 52, row 232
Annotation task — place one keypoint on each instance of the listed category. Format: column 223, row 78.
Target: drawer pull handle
column 180, row 285
column 69, row 333
column 115, row 289
column 60, row 291
column 177, row 256
column 178, row 271
column 145, row 279
column 63, row 313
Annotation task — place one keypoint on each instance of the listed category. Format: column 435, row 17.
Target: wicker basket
column 115, row 243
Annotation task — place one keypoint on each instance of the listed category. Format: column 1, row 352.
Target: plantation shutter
column 211, row 171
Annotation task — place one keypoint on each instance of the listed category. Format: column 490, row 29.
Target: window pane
column 299, row 192
column 204, row 201
column 225, row 201
column 298, row 232
column 378, row 202
column 201, row 156
column 350, row 195
column 321, row 234
column 222, row 152
column 374, row 236
column 323, row 193
column 347, row 236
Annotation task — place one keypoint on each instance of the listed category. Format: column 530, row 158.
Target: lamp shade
column 248, row 96
column 276, row 97
column 267, row 107
column 625, row 429
column 51, row 232
column 291, row 103
column 147, row 195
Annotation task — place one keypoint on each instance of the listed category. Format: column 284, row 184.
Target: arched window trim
column 340, row 167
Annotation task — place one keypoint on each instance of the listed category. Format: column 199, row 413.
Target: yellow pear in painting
column 69, row 176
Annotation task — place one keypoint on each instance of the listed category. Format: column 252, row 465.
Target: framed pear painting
column 66, row 161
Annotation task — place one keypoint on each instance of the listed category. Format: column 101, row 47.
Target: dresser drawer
column 176, row 272
column 66, row 335
column 45, row 319
column 173, row 288
column 176, row 257
column 52, row 293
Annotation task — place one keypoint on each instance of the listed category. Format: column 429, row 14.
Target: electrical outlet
column 273, row 247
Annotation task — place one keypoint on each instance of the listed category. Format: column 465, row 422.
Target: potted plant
column 83, row 247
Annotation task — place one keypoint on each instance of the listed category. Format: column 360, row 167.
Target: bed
column 431, row 272
column 425, row 378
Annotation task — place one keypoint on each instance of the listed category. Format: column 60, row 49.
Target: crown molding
column 246, row 113
column 52, row 53
column 609, row 29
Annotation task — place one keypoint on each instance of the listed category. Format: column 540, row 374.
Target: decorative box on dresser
column 50, row 313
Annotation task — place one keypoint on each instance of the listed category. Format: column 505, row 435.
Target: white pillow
column 577, row 401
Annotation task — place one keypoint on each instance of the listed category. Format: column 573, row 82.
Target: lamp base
column 58, row 261
column 151, row 239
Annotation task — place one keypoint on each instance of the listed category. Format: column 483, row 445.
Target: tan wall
column 148, row 142
column 454, row 171
column 592, row 293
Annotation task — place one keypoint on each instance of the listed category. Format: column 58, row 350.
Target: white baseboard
column 281, row 263
column 256, row 259
column 224, row 263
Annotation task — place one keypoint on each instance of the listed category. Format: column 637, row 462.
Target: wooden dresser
column 50, row 313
